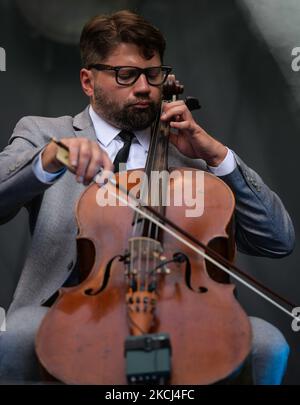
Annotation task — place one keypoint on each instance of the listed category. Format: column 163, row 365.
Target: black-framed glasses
column 128, row 75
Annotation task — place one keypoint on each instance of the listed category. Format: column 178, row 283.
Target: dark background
column 247, row 104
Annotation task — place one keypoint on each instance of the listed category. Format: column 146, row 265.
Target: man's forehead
column 127, row 53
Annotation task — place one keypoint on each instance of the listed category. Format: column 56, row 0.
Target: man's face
column 132, row 107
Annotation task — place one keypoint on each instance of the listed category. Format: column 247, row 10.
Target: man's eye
column 153, row 73
column 127, row 74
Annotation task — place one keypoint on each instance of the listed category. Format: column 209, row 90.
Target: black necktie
column 123, row 153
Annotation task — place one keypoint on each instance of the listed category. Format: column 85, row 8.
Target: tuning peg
column 192, row 103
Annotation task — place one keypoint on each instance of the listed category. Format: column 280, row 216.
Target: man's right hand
column 85, row 157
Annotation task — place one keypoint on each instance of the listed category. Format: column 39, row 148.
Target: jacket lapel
column 83, row 125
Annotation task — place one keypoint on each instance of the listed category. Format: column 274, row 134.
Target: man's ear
column 87, row 82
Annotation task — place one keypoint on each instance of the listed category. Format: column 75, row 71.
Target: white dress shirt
column 108, row 139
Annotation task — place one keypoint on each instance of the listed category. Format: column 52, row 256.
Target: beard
column 125, row 116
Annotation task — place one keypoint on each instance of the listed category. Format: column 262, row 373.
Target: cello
column 148, row 308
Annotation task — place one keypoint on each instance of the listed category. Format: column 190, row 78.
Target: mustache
column 140, row 100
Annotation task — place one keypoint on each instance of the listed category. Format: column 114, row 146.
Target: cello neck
column 158, row 151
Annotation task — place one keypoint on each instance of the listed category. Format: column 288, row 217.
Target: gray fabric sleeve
column 263, row 226
column 18, row 183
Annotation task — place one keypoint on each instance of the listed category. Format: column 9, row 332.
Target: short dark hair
column 103, row 33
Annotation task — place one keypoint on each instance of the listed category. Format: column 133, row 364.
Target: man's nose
column 142, row 85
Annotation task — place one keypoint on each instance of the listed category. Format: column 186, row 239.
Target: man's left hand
column 190, row 139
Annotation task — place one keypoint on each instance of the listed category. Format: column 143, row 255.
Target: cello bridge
column 143, row 264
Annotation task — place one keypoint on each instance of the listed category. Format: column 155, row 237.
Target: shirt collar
column 106, row 133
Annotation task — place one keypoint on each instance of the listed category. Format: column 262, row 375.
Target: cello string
column 150, row 223
column 149, row 174
column 138, row 226
column 139, row 267
column 131, row 257
column 138, row 221
column 205, row 256
column 166, row 134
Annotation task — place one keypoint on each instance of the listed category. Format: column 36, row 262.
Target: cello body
column 81, row 340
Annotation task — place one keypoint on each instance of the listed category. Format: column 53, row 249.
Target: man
column 122, row 75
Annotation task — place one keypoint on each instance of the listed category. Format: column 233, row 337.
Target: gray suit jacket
column 263, row 226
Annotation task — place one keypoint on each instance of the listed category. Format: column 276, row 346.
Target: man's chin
column 139, row 120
